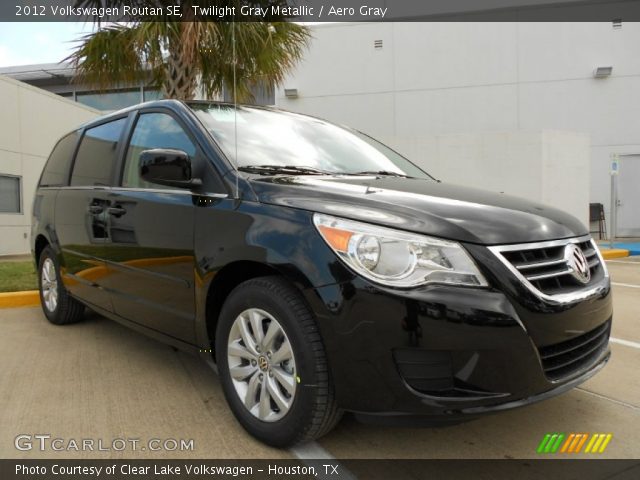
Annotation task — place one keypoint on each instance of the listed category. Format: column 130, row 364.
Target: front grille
column 544, row 266
column 563, row 359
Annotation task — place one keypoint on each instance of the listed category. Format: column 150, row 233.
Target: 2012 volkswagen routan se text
column 316, row 269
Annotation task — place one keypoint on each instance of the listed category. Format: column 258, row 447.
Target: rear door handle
column 116, row 211
column 96, row 209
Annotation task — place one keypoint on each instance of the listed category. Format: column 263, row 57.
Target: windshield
column 277, row 139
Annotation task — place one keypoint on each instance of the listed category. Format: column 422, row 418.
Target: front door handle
column 116, row 211
column 96, row 209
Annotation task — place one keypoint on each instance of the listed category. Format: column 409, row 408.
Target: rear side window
column 97, row 154
column 56, row 171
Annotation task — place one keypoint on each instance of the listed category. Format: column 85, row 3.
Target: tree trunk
column 181, row 79
column 181, row 72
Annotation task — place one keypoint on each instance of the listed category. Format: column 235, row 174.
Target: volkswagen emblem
column 263, row 363
column 577, row 263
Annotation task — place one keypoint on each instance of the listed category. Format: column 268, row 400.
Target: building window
column 110, row 100
column 10, row 194
column 152, row 94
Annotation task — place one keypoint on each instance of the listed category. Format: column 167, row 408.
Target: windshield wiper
column 386, row 173
column 266, row 169
column 302, row 170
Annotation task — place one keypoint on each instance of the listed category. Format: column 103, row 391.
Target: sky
column 39, row 42
column 28, row 43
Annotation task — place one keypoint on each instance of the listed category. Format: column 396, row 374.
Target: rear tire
column 58, row 306
column 259, row 320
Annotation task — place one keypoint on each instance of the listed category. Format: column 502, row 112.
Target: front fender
column 281, row 239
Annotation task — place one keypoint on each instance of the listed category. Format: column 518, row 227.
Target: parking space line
column 630, row 285
column 626, row 343
column 613, row 400
column 310, row 452
column 622, row 261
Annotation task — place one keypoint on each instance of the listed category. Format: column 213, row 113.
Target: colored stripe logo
column 574, row 443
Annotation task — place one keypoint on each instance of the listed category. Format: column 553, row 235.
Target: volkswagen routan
column 315, row 269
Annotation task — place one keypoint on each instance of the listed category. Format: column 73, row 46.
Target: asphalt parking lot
column 97, row 379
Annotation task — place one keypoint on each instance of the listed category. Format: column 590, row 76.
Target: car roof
column 172, row 104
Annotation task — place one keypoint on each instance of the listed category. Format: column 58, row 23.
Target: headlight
column 395, row 258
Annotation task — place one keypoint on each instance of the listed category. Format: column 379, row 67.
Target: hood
column 423, row 206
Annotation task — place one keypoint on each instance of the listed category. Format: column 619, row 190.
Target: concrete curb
column 610, row 253
column 30, row 298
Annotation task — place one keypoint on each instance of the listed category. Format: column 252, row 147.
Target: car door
column 149, row 250
column 81, row 213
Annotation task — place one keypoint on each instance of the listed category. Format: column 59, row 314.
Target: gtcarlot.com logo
column 47, row 442
column 574, row 443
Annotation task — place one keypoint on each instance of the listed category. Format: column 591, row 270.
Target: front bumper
column 468, row 413
column 452, row 352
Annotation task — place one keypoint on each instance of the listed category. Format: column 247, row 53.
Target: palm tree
column 176, row 56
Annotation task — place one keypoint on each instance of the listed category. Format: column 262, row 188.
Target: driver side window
column 153, row 130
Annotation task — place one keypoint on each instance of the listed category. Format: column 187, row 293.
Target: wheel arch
column 223, row 283
column 39, row 245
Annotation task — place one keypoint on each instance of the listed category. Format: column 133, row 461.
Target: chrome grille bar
column 542, row 276
column 526, row 266
column 543, row 270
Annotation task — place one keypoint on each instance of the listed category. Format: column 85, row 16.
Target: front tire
column 58, row 306
column 272, row 364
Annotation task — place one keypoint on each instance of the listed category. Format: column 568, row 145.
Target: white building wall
column 532, row 165
column 31, row 122
column 469, row 78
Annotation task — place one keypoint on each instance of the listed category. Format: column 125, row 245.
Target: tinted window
column 97, row 154
column 153, row 130
column 56, row 171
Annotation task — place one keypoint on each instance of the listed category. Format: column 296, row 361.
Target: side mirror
column 167, row 167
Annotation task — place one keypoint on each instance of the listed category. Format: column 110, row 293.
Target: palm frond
column 178, row 55
column 265, row 54
column 114, row 54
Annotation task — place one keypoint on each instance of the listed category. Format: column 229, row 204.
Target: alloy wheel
column 49, row 282
column 262, row 365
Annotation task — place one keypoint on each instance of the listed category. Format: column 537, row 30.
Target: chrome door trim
column 173, row 191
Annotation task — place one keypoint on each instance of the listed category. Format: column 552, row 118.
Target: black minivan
column 317, row 270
